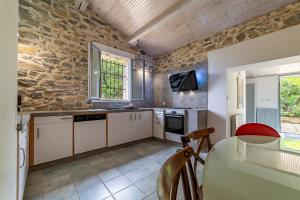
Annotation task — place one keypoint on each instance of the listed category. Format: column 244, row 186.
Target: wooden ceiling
column 161, row 26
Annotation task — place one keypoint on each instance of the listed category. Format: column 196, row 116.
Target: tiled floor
column 290, row 128
column 127, row 173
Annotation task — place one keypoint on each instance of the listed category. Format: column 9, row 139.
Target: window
column 113, row 74
column 114, row 77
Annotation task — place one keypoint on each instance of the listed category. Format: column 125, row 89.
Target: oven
column 175, row 124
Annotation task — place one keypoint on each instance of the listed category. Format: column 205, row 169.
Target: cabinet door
column 147, row 123
column 158, row 125
column 52, row 141
column 119, row 128
column 142, row 125
column 136, row 126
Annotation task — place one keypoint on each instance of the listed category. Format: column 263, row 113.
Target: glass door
column 290, row 104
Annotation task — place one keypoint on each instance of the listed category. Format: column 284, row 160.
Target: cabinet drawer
column 53, row 119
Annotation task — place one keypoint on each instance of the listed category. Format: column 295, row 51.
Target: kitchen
column 73, row 116
column 104, row 99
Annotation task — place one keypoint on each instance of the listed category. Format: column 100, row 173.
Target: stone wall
column 196, row 52
column 53, row 53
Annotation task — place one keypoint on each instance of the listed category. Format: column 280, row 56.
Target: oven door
column 174, row 124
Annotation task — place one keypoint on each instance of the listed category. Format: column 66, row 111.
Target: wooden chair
column 202, row 134
column 177, row 166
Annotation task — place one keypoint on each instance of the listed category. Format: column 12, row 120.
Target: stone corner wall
column 53, row 53
column 196, row 52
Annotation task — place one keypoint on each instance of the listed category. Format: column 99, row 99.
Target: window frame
column 100, row 47
column 144, row 78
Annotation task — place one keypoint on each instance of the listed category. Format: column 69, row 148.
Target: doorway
column 250, row 103
column 290, row 104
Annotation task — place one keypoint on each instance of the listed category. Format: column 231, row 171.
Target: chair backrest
column 256, row 129
column 202, row 134
column 178, row 165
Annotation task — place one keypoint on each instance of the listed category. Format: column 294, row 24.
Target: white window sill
column 109, row 101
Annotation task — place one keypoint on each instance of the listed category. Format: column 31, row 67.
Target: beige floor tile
column 137, row 175
column 63, row 192
column 152, row 196
column 96, row 192
column 87, row 183
column 118, row 168
column 109, row 174
column 147, row 185
column 132, row 193
column 116, row 184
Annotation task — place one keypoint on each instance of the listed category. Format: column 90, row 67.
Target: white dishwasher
column 159, row 124
column 89, row 132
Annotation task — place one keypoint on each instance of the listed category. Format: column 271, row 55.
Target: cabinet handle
column 63, row 118
column 134, row 116
column 140, row 116
column 130, row 117
column 38, row 133
column 23, row 162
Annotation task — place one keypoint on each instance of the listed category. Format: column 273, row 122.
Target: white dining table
column 251, row 168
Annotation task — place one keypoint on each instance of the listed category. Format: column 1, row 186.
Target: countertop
column 92, row 111
column 83, row 112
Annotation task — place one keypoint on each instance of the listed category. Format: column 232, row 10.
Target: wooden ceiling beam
column 150, row 26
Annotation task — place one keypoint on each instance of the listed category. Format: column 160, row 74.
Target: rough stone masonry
column 196, row 52
column 53, row 53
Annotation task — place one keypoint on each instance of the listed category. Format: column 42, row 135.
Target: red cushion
column 256, row 129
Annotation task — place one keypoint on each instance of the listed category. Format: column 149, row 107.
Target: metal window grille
column 113, row 79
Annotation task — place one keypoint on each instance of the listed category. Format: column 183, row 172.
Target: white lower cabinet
column 23, row 161
column 129, row 126
column 53, row 138
column 142, row 125
column 119, row 128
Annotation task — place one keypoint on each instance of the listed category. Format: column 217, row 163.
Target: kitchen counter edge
column 83, row 112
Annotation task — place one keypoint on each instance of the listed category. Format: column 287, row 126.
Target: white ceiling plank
column 157, row 20
column 165, row 25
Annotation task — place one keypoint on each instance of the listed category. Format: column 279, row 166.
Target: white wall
column 262, row 50
column 8, row 99
column 266, row 91
column 232, row 93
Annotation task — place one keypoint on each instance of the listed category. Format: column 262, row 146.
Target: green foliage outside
column 290, row 144
column 290, row 96
column 112, row 74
